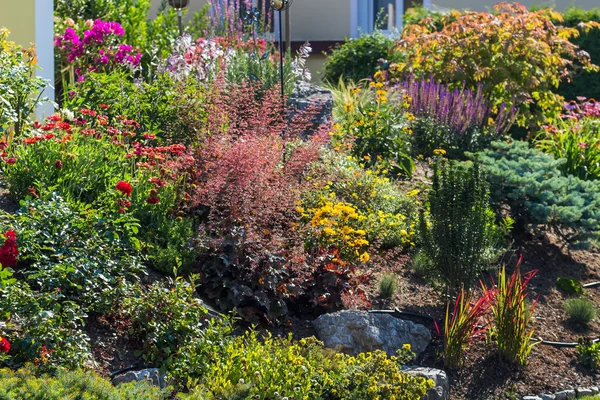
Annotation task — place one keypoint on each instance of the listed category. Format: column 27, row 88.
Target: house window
column 381, row 15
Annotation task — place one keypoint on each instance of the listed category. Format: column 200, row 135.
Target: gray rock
column 565, row 394
column 306, row 96
column 582, row 392
column 152, row 375
column 548, row 397
column 532, row 398
column 441, row 390
column 356, row 332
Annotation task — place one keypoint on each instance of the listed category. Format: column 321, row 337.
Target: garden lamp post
column 179, row 5
column 280, row 6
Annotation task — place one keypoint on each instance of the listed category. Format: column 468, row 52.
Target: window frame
column 362, row 17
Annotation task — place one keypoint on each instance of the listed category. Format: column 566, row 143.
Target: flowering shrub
column 519, row 56
column 95, row 47
column 575, row 137
column 377, row 130
column 9, row 251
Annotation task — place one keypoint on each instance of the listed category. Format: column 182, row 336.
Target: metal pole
column 179, row 17
column 281, row 58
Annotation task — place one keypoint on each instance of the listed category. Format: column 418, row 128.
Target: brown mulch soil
column 550, row 369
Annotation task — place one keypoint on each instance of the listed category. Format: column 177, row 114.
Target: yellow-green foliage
column 277, row 368
column 29, row 384
column 385, row 214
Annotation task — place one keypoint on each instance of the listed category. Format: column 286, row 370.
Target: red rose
column 4, row 346
column 10, row 160
column 152, row 200
column 58, row 164
column 124, row 187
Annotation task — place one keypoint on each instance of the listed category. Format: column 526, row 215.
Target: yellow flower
column 406, row 346
column 355, row 91
column 364, row 257
column 413, row 192
column 439, row 152
column 367, row 158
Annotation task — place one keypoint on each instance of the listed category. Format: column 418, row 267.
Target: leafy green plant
column 20, row 89
column 518, row 55
column 539, row 196
column 569, row 285
column 459, row 235
column 82, row 256
column 589, row 353
column 388, row 285
column 462, row 323
column 357, row 58
column 165, row 316
column 575, row 138
column 44, row 328
column 512, row 316
column 582, row 83
column 377, row 129
column 580, row 311
column 30, row 383
column 278, row 368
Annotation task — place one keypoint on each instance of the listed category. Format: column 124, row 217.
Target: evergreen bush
column 539, row 196
column 460, row 236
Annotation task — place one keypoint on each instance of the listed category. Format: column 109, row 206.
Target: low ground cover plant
column 580, row 311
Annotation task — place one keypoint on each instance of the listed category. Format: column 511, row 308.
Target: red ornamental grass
column 124, row 187
column 464, row 323
column 4, row 345
column 512, row 315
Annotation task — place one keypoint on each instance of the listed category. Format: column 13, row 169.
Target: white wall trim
column 44, row 40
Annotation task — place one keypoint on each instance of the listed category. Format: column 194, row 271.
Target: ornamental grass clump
column 580, row 311
column 463, row 323
column 512, row 315
column 388, row 285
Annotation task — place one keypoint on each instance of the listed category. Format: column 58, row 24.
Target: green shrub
column 388, row 285
column 580, row 311
column 589, row 353
column 83, row 256
column 28, row 383
column 569, row 285
column 357, row 58
column 43, row 328
column 459, row 236
column 165, row 316
column 539, row 196
column 375, row 128
column 279, row 368
column 421, row 265
column 583, row 83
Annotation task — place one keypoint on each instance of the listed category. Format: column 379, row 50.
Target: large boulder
column 441, row 388
column 356, row 332
column 314, row 99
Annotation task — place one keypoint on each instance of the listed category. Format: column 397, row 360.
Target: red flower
column 48, row 127
column 48, row 135
column 104, row 106
column 55, row 118
column 58, row 164
column 149, row 136
column 9, row 251
column 124, row 187
column 4, row 345
column 152, row 200
column 10, row 160
column 30, row 140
